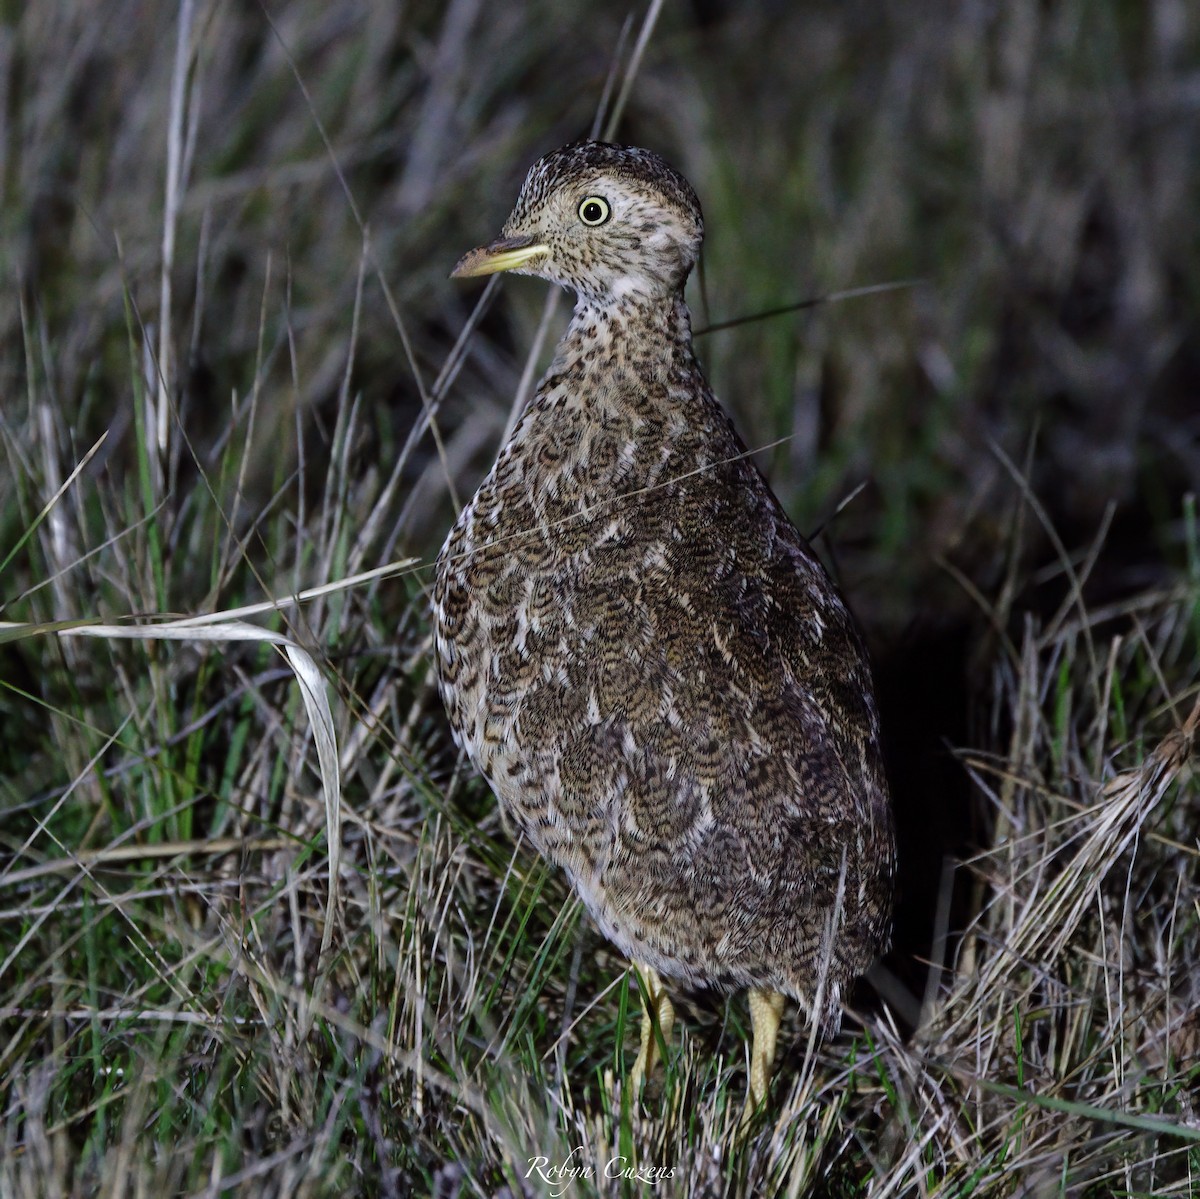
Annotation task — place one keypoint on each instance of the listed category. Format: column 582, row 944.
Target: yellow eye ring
column 594, row 210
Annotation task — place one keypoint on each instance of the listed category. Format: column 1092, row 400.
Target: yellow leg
column 766, row 1010
column 658, row 1016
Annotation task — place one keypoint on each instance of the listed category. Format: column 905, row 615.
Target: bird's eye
column 594, row 210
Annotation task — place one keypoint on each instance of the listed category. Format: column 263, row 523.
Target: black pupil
column 592, row 211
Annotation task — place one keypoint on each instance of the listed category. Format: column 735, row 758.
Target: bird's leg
column 658, row 1017
column 766, row 1010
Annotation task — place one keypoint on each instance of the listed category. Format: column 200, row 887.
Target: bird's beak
column 503, row 254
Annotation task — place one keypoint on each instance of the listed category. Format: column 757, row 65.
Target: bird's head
column 609, row 222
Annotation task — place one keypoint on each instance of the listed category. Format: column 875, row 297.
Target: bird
column 640, row 652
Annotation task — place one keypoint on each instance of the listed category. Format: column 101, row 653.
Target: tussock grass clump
column 234, row 372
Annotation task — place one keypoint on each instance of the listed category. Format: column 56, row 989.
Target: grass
column 194, row 998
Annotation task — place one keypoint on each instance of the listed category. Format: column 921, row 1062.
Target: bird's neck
column 623, row 406
column 630, row 345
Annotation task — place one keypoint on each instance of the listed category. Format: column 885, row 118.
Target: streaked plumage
column 637, row 648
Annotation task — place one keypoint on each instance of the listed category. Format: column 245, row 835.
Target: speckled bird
column 640, row 652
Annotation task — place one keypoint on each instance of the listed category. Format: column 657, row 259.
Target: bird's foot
column 766, row 1010
column 658, row 1018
